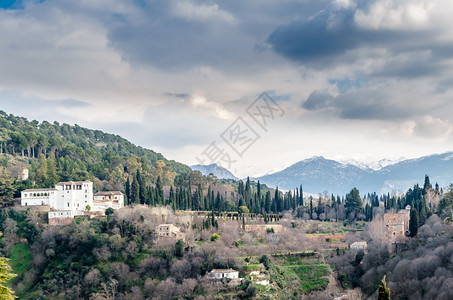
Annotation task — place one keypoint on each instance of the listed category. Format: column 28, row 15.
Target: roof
column 359, row 244
column 40, row 190
column 108, row 193
column 223, row 271
column 73, row 182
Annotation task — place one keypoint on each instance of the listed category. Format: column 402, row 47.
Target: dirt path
column 333, row 288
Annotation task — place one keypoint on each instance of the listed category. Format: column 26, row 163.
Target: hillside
column 31, row 138
column 61, row 152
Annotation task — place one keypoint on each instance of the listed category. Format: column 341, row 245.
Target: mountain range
column 318, row 174
column 214, row 169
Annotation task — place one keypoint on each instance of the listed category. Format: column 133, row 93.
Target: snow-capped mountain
column 319, row 174
column 215, row 169
column 373, row 165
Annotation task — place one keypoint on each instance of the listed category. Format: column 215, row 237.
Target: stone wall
column 60, row 221
column 262, row 229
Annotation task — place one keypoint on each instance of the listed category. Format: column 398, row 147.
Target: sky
column 343, row 79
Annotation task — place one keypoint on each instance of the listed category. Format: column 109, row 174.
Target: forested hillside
column 59, row 152
column 93, row 147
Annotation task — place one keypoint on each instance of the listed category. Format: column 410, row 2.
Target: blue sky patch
column 345, row 85
column 11, row 4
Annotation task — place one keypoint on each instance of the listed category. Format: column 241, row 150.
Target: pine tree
column 353, row 201
column 384, row 291
column 5, row 275
column 52, row 177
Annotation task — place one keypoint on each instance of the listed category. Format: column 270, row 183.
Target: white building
column 359, row 246
column 70, row 199
column 223, row 273
column 74, row 195
column 38, row 197
column 104, row 200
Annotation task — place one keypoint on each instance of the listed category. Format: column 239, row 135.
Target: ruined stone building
column 397, row 224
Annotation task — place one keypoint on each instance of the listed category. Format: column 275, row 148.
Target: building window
column 68, row 204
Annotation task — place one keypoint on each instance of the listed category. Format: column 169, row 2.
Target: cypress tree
column 135, row 198
column 413, row 223
column 384, row 291
column 128, row 190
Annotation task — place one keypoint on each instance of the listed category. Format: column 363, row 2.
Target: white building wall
column 37, row 197
column 74, row 195
column 231, row 275
column 60, row 214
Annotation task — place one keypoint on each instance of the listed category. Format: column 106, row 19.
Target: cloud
column 391, row 102
column 433, row 128
column 378, row 32
column 41, row 109
column 318, row 100
column 202, row 13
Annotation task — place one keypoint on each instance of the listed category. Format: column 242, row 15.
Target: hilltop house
column 167, row 232
column 359, row 246
column 104, row 200
column 223, row 273
column 69, row 199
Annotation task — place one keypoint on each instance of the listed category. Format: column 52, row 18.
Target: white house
column 359, row 246
column 223, row 273
column 104, row 200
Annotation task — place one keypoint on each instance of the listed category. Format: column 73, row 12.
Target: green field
column 311, row 276
column 20, row 259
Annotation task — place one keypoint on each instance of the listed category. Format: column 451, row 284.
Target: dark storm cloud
column 366, row 104
column 227, row 35
column 324, row 41
column 317, row 100
column 178, row 95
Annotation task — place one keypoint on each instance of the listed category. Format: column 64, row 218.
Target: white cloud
column 126, row 61
column 202, row 13
column 398, row 14
column 210, row 107
column 430, row 127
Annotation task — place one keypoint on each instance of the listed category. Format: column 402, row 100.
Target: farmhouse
column 167, row 233
column 223, row 273
column 104, row 200
column 70, row 199
column 359, row 246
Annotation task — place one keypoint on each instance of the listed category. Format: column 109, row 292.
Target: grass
column 20, row 259
column 312, row 275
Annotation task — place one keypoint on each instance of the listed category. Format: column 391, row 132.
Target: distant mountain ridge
column 318, row 174
column 218, row 171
